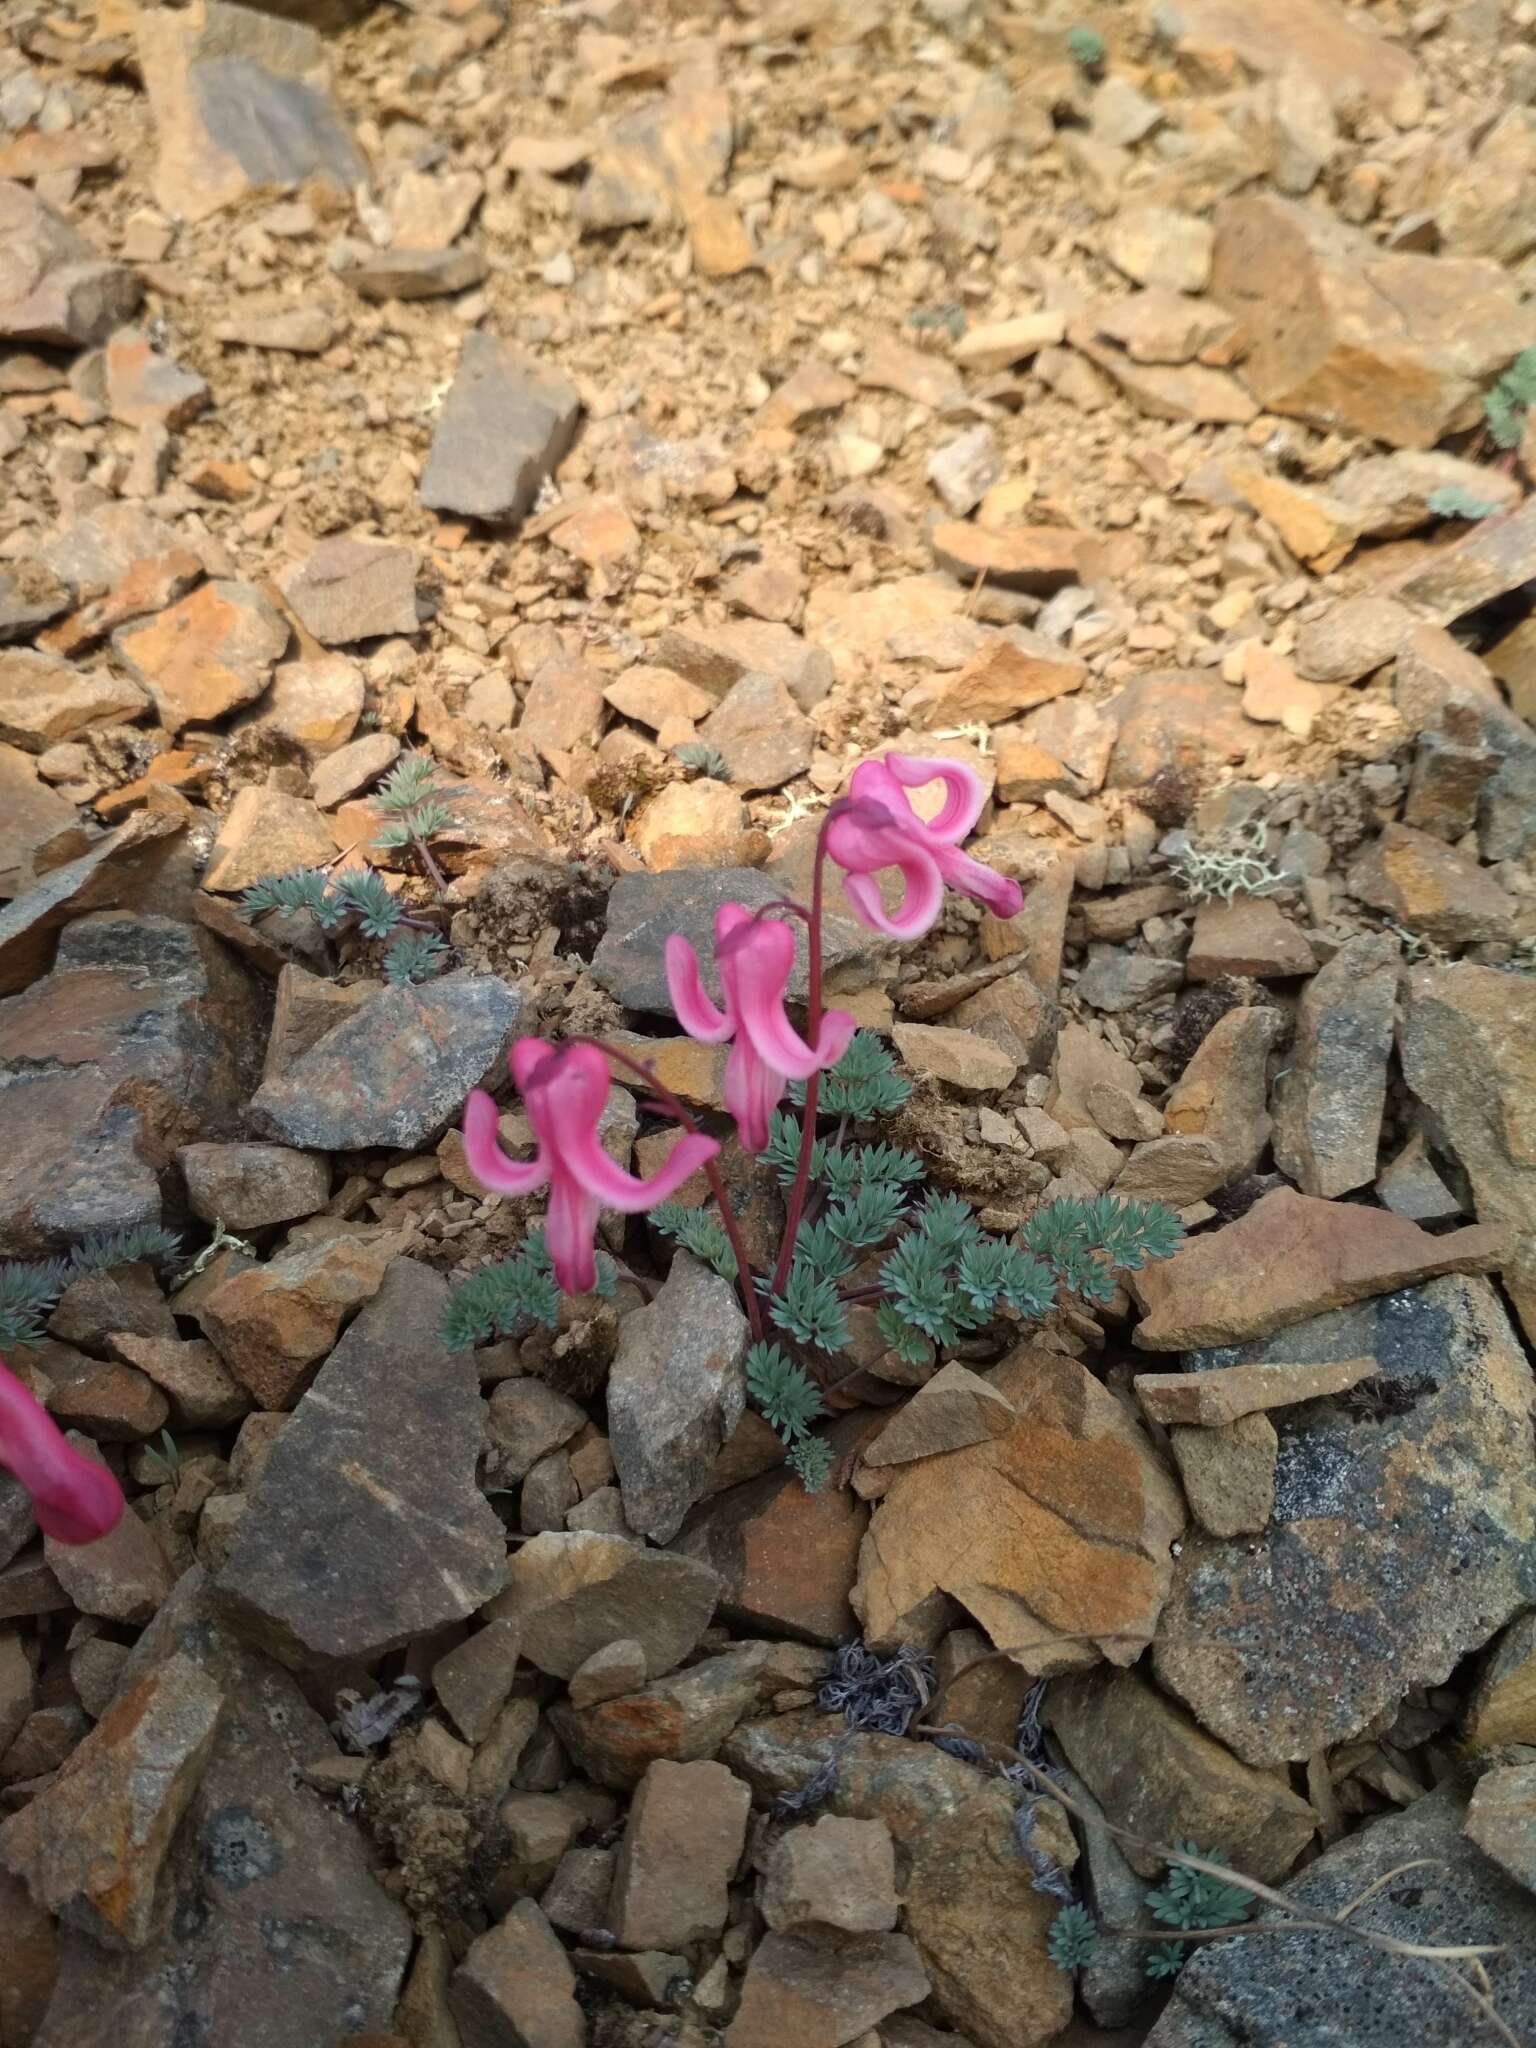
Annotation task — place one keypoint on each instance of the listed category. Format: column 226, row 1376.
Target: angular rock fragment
column 1394, row 346
column 572, row 1593
column 354, row 590
column 505, row 424
column 92, row 1846
column 678, row 1719
column 1328, row 1124
column 1402, row 1533
column 240, row 100
column 395, row 1070
column 376, row 1475
column 1431, row 888
column 1021, row 1528
column 55, row 289
column 272, row 1323
column 516, row 1987
column 1291, row 1257
column 787, row 1559
column 829, row 1986
column 1235, row 1992
column 676, row 1390
column 684, row 1838
column 208, row 655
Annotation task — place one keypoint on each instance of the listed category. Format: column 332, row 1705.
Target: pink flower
column 74, row 1499
column 876, row 827
column 753, row 957
column 564, row 1089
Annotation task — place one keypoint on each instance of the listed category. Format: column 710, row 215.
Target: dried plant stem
column 1436, row 1958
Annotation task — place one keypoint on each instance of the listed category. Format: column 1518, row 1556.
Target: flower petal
column 483, row 1154
column 74, row 1499
column 753, row 1090
column 569, row 1232
column 755, row 968
column 837, row 1029
column 691, row 1006
column 587, row 1163
column 964, row 792
column 919, row 907
column 1004, row 898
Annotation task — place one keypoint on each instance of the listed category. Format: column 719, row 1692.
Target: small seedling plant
column 1189, row 1900
column 30, row 1290
column 863, row 1232
column 359, row 900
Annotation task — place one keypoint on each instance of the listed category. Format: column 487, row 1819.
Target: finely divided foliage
column 855, row 1237
column 29, row 1292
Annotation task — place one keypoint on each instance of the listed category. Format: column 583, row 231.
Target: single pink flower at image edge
column 564, row 1090
column 74, row 1499
column 875, row 827
column 753, row 957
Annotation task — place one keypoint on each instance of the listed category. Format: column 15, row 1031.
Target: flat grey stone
column 505, row 423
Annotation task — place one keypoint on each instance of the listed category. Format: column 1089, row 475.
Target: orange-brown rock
column 954, row 1409
column 1039, row 559
column 1229, row 1392
column 1289, row 1258
column 787, row 1557
column 207, row 655
column 1061, row 1528
column 1393, row 346
column 91, row 1845
column 265, row 832
column 1001, row 680
column 272, row 1323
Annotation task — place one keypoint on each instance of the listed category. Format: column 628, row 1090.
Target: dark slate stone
column 367, row 1527
column 1403, row 1534
column 145, row 1036
column 394, row 1071
column 644, row 909
column 505, row 423
column 270, row 1927
column 1321, row 1990
column 280, row 130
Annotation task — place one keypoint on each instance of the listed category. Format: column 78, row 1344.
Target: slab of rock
column 643, row 909
column 968, row 1897
column 1432, row 888
column 608, row 1674
column 1234, row 1995
column 92, row 1845
column 376, row 1474
column 1228, row 1474
column 121, row 1577
column 272, row 1323
column 206, row 656
column 247, row 1187
column 1495, row 557
column 712, row 658
column 353, row 768
column 30, row 595
column 516, row 1987
column 1153, row 1771
column 258, row 1851
column 1219, row 1396
column 139, row 1040
column 354, row 590
column 685, row 1835
column 240, row 101
column 571, row 1593
column 954, row 1409
column 962, row 1059
column 416, row 273
column 55, row 289
column 677, row 1719
column 1289, row 1258
column 1352, row 639
column 786, row 1558
column 1469, row 1054
column 44, row 700
column 34, row 814
column 1502, row 1707
column 1502, row 1820
column 765, row 737
column 1117, row 979
column 825, row 1986
column 1037, row 559
column 1250, row 935
column 526, row 1421
column 676, row 1390
column 265, row 832
column 1328, row 1123
column 1393, row 346
column 394, row 1070
column 1390, row 494
column 1401, row 1536
column 1173, row 718
column 1021, row 1529
column 1158, row 246
column 505, row 424
column 1334, row 51
column 835, row 1873
column 147, row 388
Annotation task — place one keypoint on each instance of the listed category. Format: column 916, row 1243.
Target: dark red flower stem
column 796, row 1207
column 675, row 1109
